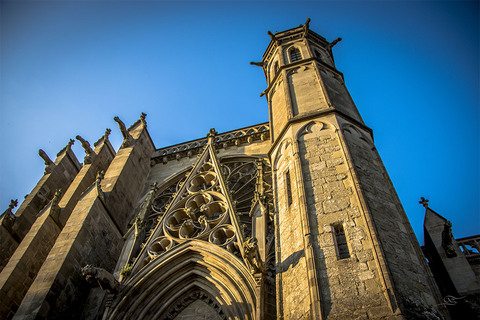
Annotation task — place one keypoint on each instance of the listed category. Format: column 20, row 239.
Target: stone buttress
column 34, row 248
column 93, row 232
column 58, row 175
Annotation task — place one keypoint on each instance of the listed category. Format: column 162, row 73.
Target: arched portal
column 194, row 271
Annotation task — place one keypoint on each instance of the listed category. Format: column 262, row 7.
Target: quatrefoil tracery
column 202, row 214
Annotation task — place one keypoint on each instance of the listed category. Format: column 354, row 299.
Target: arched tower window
column 294, row 54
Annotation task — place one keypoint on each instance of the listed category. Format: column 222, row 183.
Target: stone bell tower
column 344, row 246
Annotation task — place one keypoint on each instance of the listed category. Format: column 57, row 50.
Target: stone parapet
column 222, row 141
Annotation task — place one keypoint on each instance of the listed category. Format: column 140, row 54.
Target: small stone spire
column 67, row 147
column 211, row 136
column 142, row 118
column 103, row 138
column 13, row 204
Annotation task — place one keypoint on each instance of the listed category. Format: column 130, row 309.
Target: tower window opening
column 289, row 188
column 341, row 242
column 294, row 54
column 275, row 68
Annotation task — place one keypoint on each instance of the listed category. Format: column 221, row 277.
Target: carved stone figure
column 54, row 208
column 252, row 255
column 49, row 165
column 148, row 202
column 105, row 279
column 8, row 218
column 127, row 138
column 447, row 240
column 88, row 150
column 99, row 179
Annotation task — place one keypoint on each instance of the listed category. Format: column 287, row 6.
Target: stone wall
column 351, row 287
column 305, row 90
column 407, row 269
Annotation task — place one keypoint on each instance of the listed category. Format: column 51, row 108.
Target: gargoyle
column 49, row 165
column 102, row 277
column 88, row 150
column 252, row 255
column 127, row 138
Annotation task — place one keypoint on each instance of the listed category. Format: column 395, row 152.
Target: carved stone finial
column 107, row 132
column 67, row 147
column 211, row 136
column 13, row 204
column 127, row 138
column 307, row 23
column 142, row 118
column 447, row 240
column 102, row 277
column 423, row 202
column 49, row 165
column 103, row 138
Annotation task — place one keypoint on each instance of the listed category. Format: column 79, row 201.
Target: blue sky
column 412, row 68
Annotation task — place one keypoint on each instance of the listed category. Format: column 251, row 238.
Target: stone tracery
column 202, row 213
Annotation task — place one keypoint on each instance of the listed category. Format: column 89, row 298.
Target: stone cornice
column 223, row 140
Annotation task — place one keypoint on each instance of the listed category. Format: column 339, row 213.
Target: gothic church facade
column 295, row 218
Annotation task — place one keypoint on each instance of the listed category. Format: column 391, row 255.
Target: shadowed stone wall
column 63, row 172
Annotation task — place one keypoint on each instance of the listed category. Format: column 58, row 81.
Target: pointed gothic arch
column 165, row 285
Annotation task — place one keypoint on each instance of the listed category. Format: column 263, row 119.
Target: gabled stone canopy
column 202, row 209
